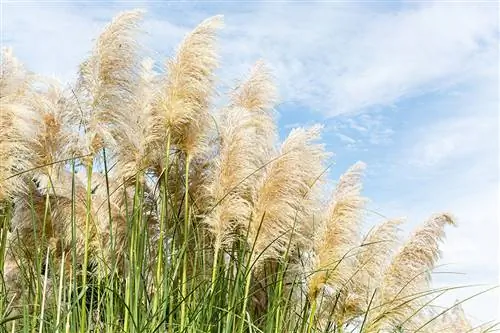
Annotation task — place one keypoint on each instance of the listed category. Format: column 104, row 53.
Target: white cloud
column 365, row 130
column 328, row 57
column 453, row 139
column 339, row 60
column 50, row 39
column 346, row 139
column 406, row 53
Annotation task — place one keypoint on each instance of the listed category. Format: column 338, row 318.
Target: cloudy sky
column 411, row 88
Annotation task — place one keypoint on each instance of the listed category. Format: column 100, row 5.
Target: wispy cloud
column 452, row 140
column 333, row 58
column 340, row 59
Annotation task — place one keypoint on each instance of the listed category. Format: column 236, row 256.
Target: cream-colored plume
column 406, row 282
column 134, row 135
column 17, row 126
column 258, row 93
column 14, row 79
column 182, row 105
column 335, row 241
column 107, row 79
column 372, row 258
column 452, row 321
column 284, row 201
column 247, row 134
column 18, row 130
column 55, row 141
column 332, row 262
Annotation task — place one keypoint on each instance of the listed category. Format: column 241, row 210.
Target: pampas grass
column 181, row 107
column 18, row 130
column 406, row 282
column 15, row 80
column 246, row 142
column 336, row 237
column 106, row 80
column 283, row 200
column 372, row 258
column 129, row 204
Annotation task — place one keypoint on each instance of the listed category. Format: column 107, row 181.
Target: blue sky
column 411, row 88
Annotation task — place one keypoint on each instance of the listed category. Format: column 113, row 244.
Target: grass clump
column 129, row 205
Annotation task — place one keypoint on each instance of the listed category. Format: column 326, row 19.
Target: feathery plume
column 372, row 258
column 407, row 278
column 453, row 321
column 107, row 79
column 283, row 200
column 335, row 241
column 15, row 81
column 257, row 93
column 460, row 321
column 247, row 134
column 230, row 189
column 54, row 141
column 181, row 107
column 16, row 126
column 134, row 134
column 61, row 198
column 380, row 244
column 18, row 131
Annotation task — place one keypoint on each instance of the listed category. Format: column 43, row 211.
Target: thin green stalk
column 4, row 232
column 278, row 295
column 185, row 245
column 45, row 280
column 161, row 264
column 172, row 273
column 312, row 315
column 131, row 280
column 248, row 278
column 110, row 304
column 230, row 317
column 214, row 269
column 59, row 293
column 38, row 287
column 126, row 322
column 83, row 318
column 139, row 249
column 171, row 301
column 211, row 291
